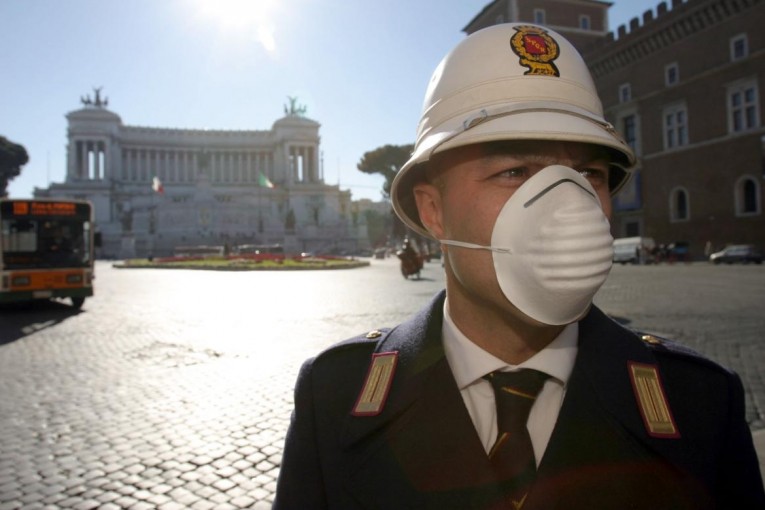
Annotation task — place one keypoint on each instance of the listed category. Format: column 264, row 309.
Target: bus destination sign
column 35, row 208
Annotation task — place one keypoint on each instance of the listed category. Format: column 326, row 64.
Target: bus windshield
column 45, row 242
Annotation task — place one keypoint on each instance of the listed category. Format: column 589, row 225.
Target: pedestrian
column 511, row 389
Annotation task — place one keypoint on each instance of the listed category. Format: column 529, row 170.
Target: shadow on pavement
column 18, row 320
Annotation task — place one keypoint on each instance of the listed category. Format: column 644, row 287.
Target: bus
column 46, row 250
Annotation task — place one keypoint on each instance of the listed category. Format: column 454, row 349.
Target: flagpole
column 260, row 212
column 262, row 182
column 152, row 225
column 156, row 187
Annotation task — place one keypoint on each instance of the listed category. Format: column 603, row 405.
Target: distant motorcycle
column 411, row 261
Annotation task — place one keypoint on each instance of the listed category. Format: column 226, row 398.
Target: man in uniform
column 510, row 389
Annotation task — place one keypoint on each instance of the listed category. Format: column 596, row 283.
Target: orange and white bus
column 46, row 250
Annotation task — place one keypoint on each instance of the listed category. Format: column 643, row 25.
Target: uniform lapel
column 598, row 455
column 422, row 451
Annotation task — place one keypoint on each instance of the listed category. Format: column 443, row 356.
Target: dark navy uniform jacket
column 422, row 451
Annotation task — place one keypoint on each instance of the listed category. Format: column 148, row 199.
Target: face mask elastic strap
column 472, row 246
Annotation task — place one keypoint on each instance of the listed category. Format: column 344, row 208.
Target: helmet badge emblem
column 537, row 50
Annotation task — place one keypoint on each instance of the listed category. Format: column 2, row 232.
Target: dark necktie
column 512, row 455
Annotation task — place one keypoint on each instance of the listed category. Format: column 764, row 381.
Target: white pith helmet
column 512, row 81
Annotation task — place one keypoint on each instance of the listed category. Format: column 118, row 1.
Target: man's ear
column 428, row 199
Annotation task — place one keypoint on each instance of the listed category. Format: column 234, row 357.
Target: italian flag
column 157, row 186
column 264, row 182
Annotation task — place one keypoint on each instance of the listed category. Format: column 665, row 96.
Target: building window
column 625, row 93
column 747, row 196
column 629, row 131
column 675, row 127
column 671, row 74
column 539, row 16
column 739, row 47
column 743, row 107
column 679, row 205
column 584, row 22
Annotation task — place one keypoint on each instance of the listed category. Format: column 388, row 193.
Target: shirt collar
column 470, row 363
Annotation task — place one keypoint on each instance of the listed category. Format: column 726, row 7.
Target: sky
column 360, row 68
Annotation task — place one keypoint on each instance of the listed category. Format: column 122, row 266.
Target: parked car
column 679, row 251
column 634, row 250
column 743, row 253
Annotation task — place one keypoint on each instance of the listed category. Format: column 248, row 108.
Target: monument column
column 100, row 160
column 82, row 166
column 69, row 159
column 289, row 165
column 317, row 164
column 140, row 155
column 302, row 164
column 148, row 165
column 91, row 160
column 95, row 169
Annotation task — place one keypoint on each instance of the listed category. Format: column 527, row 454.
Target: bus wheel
column 77, row 301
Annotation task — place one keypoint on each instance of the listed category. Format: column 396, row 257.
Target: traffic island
column 243, row 264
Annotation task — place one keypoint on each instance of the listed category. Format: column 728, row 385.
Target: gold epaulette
column 377, row 384
column 652, row 401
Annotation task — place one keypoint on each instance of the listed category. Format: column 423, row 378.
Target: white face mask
column 552, row 246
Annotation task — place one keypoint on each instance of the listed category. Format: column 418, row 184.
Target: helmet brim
column 552, row 125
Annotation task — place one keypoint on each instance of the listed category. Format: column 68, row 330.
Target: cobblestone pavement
column 718, row 311
column 172, row 389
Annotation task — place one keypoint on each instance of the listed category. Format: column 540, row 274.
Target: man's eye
column 514, row 173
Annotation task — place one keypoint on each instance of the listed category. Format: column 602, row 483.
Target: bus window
column 19, row 236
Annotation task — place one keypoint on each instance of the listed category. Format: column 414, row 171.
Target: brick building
column 583, row 22
column 681, row 83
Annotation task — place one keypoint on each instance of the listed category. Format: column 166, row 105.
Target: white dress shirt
column 469, row 363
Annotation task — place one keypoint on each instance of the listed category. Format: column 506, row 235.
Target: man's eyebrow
column 602, row 160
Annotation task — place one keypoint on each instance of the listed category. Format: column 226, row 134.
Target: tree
column 378, row 227
column 12, row 157
column 385, row 160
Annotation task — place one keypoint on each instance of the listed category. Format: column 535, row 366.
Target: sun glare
column 242, row 18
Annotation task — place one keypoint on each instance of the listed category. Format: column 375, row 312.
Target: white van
column 635, row 250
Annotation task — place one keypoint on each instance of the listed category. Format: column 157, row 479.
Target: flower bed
column 244, row 263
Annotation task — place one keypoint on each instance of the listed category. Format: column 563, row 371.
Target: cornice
column 657, row 33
